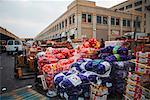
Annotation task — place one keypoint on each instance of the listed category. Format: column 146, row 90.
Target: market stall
column 86, row 71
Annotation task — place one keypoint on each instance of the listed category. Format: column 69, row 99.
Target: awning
column 63, row 34
column 72, row 32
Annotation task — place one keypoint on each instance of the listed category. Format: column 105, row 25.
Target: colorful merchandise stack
column 56, row 60
column 118, row 57
column 138, row 82
column 84, row 76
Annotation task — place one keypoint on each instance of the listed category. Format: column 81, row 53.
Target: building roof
column 118, row 4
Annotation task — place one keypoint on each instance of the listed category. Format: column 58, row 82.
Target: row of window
column 87, row 18
column 104, row 20
column 63, row 24
column 138, row 3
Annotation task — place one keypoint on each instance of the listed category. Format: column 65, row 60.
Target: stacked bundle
column 138, row 81
column 118, row 56
column 83, row 73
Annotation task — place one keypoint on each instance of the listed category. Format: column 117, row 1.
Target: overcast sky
column 27, row 18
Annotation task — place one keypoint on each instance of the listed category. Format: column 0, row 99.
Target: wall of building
column 92, row 29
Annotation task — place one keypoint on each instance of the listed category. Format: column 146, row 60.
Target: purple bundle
column 116, row 57
column 115, row 50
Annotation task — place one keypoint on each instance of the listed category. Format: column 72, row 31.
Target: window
column 139, row 9
column 138, row 3
column 62, row 24
column 99, row 19
column 65, row 22
column 112, row 21
column 83, row 17
column 10, row 43
column 128, row 23
column 117, row 21
column 144, row 22
column 69, row 20
column 124, row 22
column 121, row 9
column 104, row 20
column 73, row 18
column 89, row 18
column 139, row 24
column 129, row 6
column 17, row 43
column 145, row 16
column 59, row 25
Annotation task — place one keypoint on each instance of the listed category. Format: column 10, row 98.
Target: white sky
column 27, row 18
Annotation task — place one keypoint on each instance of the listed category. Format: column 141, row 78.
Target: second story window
column 124, row 22
column 70, row 20
column 62, row 24
column 104, row 20
column 59, row 25
column 129, row 6
column 83, row 17
column 112, row 21
column 99, row 19
column 73, row 17
column 121, row 9
column 89, row 18
column 65, row 22
column 128, row 23
column 117, row 21
column 138, row 3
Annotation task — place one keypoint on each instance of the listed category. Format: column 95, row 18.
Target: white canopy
column 63, row 34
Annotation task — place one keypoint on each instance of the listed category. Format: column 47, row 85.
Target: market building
column 84, row 19
column 135, row 6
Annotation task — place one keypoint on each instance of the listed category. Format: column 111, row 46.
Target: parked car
column 14, row 46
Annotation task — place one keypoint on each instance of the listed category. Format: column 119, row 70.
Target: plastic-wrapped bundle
column 103, row 55
column 60, row 76
column 120, row 74
column 82, row 65
column 93, row 77
column 117, row 57
column 120, row 87
column 115, row 50
column 103, row 68
column 74, row 80
column 97, row 61
column 121, row 65
column 106, row 81
column 108, row 49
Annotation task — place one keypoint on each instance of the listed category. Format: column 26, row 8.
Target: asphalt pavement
column 7, row 79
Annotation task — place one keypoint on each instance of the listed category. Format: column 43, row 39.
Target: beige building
column 84, row 19
column 135, row 6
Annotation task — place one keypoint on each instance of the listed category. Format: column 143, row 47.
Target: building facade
column 84, row 19
column 135, row 6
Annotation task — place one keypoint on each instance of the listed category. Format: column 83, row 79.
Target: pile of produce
column 56, row 60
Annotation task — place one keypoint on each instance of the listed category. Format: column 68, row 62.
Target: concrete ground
column 7, row 79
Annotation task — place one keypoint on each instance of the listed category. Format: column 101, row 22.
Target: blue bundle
column 102, row 68
column 104, row 55
column 121, row 65
column 120, row 74
column 115, row 50
column 117, row 57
